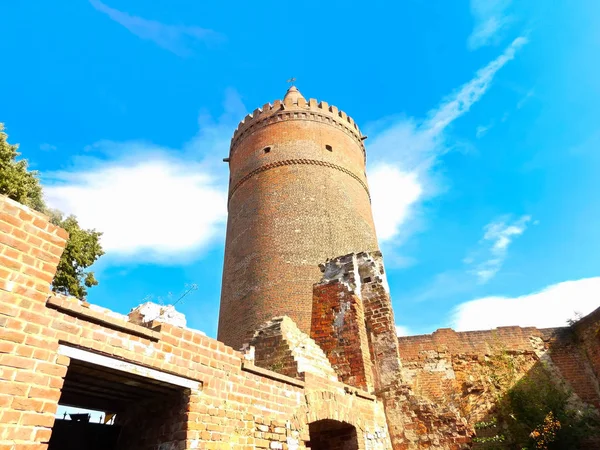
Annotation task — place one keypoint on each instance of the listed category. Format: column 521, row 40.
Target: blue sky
column 482, row 118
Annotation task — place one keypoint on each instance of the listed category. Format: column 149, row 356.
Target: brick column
column 31, row 371
column 338, row 326
column 353, row 322
column 379, row 318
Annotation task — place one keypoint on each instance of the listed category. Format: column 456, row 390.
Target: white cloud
column 402, row 330
column 491, row 19
column 178, row 39
column 497, row 237
column 390, row 186
column 481, row 130
column 157, row 208
column 404, row 151
column 551, row 307
column 152, row 203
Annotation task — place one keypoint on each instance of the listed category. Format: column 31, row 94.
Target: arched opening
column 332, row 435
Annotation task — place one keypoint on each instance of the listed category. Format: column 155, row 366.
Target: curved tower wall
column 298, row 195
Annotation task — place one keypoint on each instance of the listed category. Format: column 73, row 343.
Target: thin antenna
column 193, row 287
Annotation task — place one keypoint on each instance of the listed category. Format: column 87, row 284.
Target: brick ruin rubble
column 318, row 366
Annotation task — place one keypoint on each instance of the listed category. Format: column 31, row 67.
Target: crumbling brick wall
column 353, row 322
column 587, row 334
column 338, row 325
column 468, row 372
column 454, row 368
column 280, row 346
column 236, row 403
column 436, row 387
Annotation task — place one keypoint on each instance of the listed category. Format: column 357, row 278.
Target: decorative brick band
column 291, row 162
column 307, row 115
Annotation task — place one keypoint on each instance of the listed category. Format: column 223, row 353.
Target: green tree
column 82, row 250
column 16, row 181
column 83, row 246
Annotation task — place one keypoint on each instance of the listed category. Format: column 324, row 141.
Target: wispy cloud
column 479, row 266
column 491, row 19
column 497, row 237
column 178, row 39
column 405, row 150
column 152, row 203
column 481, row 130
column 550, row 307
column 47, row 147
column 530, row 94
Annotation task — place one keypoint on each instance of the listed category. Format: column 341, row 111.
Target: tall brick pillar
column 31, row 371
column 353, row 323
column 352, row 316
column 379, row 318
column 338, row 322
column 298, row 195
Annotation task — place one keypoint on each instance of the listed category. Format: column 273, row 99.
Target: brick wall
column 587, row 332
column 465, row 373
column 444, row 383
column 30, row 370
column 237, row 406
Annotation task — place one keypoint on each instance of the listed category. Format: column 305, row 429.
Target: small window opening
column 267, row 149
column 329, row 147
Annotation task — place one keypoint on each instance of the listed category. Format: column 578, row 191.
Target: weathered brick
column 26, row 404
column 37, row 420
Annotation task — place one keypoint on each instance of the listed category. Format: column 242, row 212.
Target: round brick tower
column 298, row 195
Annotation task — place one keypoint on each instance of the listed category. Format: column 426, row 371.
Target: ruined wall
column 338, row 325
column 464, row 370
column 237, row 404
column 279, row 345
column 353, row 323
column 587, row 332
column 469, row 373
column 436, row 388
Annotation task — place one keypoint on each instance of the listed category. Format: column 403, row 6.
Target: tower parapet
column 294, row 107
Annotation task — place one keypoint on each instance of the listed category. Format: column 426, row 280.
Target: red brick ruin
column 315, row 361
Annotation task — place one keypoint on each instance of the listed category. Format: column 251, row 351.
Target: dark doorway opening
column 139, row 412
column 332, row 435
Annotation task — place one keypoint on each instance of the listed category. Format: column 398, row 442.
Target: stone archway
column 330, row 434
column 327, row 407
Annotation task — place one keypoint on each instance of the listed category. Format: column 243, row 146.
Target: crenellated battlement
column 297, row 108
